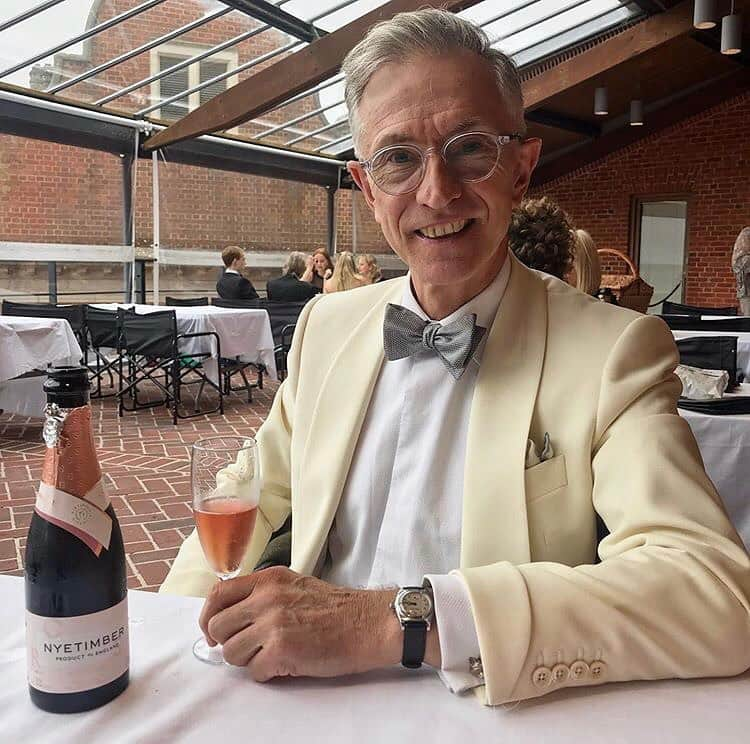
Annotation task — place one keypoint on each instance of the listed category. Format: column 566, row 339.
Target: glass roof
column 159, row 59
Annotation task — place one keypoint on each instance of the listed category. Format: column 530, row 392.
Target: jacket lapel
column 495, row 524
column 336, row 422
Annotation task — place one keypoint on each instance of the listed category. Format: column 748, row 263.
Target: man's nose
column 439, row 185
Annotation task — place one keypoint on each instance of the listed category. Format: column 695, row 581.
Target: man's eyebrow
column 398, row 138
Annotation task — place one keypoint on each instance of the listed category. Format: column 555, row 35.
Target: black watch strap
column 415, row 638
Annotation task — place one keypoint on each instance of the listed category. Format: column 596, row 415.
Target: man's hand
column 279, row 623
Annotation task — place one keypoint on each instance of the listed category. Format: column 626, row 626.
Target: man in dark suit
column 288, row 287
column 232, row 285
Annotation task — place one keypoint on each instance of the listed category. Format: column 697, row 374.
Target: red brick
column 168, row 538
column 7, row 549
column 154, row 573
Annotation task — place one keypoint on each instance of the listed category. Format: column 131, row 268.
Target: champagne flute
column 225, row 481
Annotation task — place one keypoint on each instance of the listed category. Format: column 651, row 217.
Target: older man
column 457, row 433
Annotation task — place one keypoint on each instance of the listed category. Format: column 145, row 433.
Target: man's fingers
column 232, row 620
column 225, row 594
column 243, row 646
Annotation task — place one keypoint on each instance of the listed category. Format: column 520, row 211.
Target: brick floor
column 146, row 465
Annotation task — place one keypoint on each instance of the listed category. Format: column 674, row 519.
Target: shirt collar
column 484, row 305
column 231, row 271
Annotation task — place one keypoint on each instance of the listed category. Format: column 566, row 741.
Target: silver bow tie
column 405, row 334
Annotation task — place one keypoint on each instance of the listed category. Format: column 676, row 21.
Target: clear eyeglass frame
column 500, row 141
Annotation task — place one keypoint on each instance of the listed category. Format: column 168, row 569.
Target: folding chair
column 186, row 301
column 104, row 329
column 237, row 304
column 151, row 343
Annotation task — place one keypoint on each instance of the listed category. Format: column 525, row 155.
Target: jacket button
column 541, row 677
column 597, row 669
column 560, row 673
column 579, row 670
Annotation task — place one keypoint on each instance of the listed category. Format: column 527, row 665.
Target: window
column 167, row 56
column 660, row 233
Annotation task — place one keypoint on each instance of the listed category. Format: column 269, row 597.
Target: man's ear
column 359, row 175
column 530, row 151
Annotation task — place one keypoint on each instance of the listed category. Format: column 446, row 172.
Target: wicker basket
column 630, row 289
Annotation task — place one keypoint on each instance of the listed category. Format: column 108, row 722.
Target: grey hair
column 296, row 263
column 427, row 31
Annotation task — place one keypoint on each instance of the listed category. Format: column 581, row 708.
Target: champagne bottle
column 76, row 592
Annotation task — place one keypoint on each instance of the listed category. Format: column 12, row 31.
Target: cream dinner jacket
column 670, row 597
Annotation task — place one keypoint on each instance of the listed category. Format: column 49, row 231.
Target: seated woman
column 368, row 268
column 586, row 273
column 319, row 268
column 540, row 234
column 345, row 275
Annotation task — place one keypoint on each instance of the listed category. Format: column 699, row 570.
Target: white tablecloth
column 173, row 698
column 724, row 442
column 743, row 345
column 28, row 344
column 242, row 332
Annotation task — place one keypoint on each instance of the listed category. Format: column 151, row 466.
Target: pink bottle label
column 74, row 654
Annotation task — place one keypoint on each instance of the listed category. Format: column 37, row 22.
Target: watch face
column 416, row 605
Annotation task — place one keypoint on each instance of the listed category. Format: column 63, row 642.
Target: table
column 244, row 333
column 175, row 698
column 724, row 442
column 743, row 345
column 30, row 344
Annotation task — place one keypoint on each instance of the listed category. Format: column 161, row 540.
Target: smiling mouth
column 444, row 230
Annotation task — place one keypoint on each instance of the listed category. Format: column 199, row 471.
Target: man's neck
column 439, row 301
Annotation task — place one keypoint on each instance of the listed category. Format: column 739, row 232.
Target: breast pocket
column 544, row 478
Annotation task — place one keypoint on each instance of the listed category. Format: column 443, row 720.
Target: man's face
column 424, row 102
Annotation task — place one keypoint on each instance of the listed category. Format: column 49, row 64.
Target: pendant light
column 731, row 33
column 601, row 104
column 636, row 113
column 704, row 14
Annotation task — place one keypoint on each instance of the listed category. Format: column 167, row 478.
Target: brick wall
column 705, row 158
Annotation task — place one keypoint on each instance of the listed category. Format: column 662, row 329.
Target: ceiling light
column 601, row 105
column 704, row 14
column 636, row 113
column 731, row 33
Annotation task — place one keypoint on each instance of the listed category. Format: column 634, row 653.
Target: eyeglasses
column 470, row 157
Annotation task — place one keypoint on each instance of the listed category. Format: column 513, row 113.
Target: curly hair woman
column 541, row 236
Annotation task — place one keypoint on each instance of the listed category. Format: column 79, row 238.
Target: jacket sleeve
column 190, row 573
column 670, row 598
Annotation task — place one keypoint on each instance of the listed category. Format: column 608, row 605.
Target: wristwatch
column 414, row 609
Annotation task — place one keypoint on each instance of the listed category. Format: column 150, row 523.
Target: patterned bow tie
column 405, row 334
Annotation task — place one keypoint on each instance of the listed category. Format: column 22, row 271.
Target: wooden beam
column 711, row 94
column 284, row 79
column 549, row 118
column 651, row 33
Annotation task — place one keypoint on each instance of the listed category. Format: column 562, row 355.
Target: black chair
column 694, row 323
column 676, row 308
column 238, row 304
column 186, row 301
column 711, row 352
column 283, row 317
column 74, row 314
column 151, row 343
column 105, row 331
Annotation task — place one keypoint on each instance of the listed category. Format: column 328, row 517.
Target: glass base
column 206, row 653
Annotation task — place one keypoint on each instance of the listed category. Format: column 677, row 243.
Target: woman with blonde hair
column 345, row 275
column 368, row 268
column 586, row 274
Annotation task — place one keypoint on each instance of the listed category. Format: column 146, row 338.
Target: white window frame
column 186, row 50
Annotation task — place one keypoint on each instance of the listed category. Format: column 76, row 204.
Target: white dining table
column 175, row 699
column 724, row 442
column 243, row 332
column 29, row 345
column 743, row 345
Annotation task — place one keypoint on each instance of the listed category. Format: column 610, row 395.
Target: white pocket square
column 533, row 456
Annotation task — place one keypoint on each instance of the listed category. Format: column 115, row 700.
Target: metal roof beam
column 83, row 36
column 185, row 63
column 138, row 50
column 30, row 13
column 280, row 19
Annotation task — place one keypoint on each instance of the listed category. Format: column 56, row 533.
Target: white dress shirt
column 399, row 519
